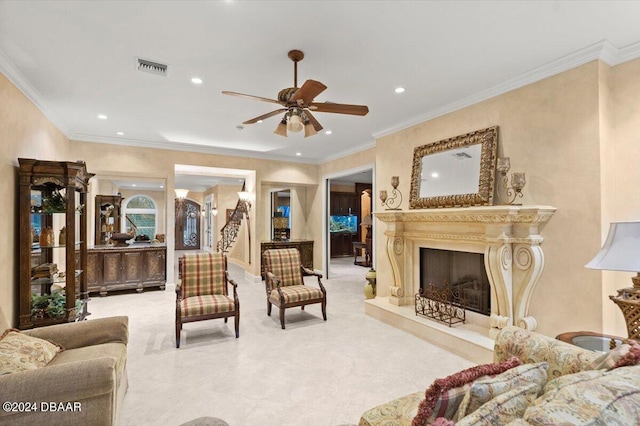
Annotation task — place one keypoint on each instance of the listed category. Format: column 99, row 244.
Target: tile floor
column 312, row 373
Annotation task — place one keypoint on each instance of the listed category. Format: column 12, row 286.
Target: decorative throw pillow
column 608, row 360
column 630, row 358
column 20, row 352
column 444, row 395
column 488, row 388
column 594, row 397
column 504, row 408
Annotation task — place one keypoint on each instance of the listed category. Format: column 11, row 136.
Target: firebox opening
column 462, row 272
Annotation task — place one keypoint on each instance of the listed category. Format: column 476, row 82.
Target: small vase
column 370, row 286
column 46, row 237
column 62, row 238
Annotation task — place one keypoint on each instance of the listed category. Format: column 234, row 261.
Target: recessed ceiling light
column 133, row 184
column 399, row 89
column 161, row 186
column 298, row 154
column 259, row 121
column 102, row 116
column 120, row 133
column 196, row 80
column 434, row 175
column 328, row 132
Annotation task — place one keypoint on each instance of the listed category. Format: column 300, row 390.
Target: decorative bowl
column 121, row 238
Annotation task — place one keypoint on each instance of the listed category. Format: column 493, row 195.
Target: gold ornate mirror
column 455, row 172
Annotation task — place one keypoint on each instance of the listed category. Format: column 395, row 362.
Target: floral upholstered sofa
column 536, row 380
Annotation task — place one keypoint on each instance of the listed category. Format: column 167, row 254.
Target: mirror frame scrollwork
column 489, row 139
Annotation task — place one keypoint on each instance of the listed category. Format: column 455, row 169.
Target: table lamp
column 367, row 223
column 621, row 252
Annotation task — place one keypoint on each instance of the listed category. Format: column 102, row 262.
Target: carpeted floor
column 312, row 373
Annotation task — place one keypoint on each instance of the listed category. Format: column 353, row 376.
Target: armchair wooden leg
column 302, row 307
column 178, row 327
column 268, row 308
column 324, row 309
column 225, row 319
column 282, row 317
column 237, row 324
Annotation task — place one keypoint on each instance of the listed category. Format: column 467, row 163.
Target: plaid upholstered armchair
column 285, row 285
column 202, row 291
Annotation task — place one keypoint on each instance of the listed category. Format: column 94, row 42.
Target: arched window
column 142, row 211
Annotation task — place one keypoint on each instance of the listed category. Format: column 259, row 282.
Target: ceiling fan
column 297, row 104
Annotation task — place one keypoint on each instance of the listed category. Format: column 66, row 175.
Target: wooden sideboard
column 304, row 246
column 124, row 268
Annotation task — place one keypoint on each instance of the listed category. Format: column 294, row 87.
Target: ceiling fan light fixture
column 281, row 129
column 309, row 130
column 295, row 123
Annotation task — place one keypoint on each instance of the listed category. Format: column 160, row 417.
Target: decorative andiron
column 392, row 203
column 441, row 304
column 517, row 180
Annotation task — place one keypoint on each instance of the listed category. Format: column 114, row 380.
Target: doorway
column 348, row 231
column 187, row 230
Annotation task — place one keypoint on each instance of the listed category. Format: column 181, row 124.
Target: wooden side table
column 592, row 341
column 357, row 246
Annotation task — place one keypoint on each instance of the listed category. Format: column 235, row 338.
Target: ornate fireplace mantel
column 509, row 236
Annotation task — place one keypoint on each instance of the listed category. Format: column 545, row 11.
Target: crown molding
column 187, row 147
column 627, row 53
column 9, row 69
column 603, row 50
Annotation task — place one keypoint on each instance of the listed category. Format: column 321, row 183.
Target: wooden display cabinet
column 52, row 242
column 135, row 267
column 107, row 210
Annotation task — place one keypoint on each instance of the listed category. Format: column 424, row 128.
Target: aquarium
column 343, row 224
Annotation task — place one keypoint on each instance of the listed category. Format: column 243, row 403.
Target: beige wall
column 554, row 130
column 623, row 166
column 24, row 133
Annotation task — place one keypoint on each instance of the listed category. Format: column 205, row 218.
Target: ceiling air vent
column 151, row 67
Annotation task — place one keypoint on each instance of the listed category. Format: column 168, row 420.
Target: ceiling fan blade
column 267, row 115
column 314, row 122
column 257, row 98
column 309, row 90
column 339, row 108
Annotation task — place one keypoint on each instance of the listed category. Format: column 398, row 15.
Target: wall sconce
column 181, row 194
column 517, row 180
column 392, row 203
column 214, row 211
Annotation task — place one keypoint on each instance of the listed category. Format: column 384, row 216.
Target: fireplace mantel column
column 528, row 262
column 498, row 259
column 398, row 254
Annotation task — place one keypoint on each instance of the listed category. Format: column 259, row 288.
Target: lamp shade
column 621, row 250
column 294, row 124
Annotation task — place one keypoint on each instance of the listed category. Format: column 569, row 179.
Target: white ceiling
column 76, row 60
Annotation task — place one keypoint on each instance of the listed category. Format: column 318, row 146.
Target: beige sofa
column 90, row 374
column 606, row 395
